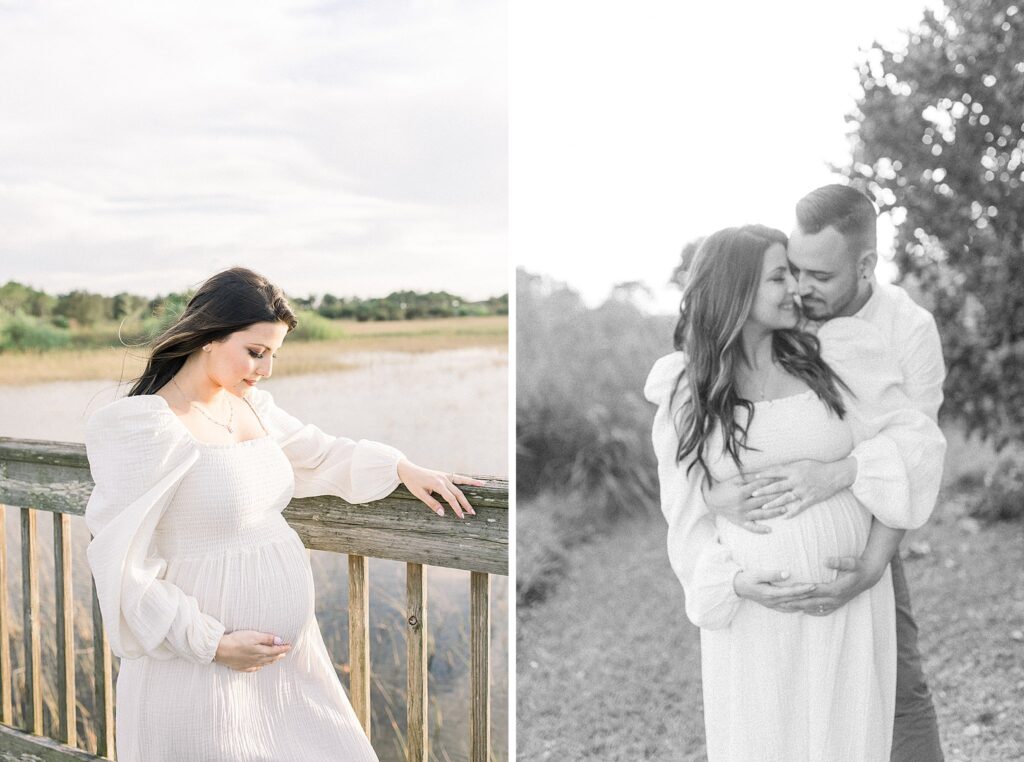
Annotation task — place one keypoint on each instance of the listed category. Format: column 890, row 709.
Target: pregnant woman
column 749, row 390
column 206, row 592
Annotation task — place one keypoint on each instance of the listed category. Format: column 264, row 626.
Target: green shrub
column 21, row 332
column 1002, row 496
column 314, row 327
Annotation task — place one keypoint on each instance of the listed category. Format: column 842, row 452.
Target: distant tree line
column 84, row 308
column 403, row 305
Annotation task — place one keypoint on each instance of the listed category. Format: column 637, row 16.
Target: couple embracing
column 797, row 441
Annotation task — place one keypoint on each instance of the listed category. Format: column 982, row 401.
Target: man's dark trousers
column 915, row 736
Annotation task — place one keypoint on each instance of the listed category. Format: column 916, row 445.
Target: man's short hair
column 846, row 209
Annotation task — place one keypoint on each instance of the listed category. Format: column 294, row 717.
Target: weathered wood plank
column 65, row 628
column 480, row 666
column 54, row 476
column 417, row 749
column 404, row 530
column 18, row 746
column 103, row 682
column 33, row 643
column 359, row 638
column 44, row 451
column 6, row 710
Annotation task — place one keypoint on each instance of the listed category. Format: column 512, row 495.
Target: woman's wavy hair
column 227, row 302
column 719, row 294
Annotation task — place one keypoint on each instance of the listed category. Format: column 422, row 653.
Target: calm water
column 445, row 410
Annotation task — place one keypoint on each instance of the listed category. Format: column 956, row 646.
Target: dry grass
column 294, row 358
column 607, row 667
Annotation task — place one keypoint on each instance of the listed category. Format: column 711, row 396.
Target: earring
column 206, row 348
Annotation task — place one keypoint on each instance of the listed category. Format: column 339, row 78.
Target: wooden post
column 30, row 598
column 359, row 638
column 65, row 628
column 6, row 712
column 416, row 641
column 480, row 666
column 104, row 682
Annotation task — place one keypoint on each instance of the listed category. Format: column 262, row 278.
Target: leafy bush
column 21, row 332
column 581, row 421
column 1002, row 498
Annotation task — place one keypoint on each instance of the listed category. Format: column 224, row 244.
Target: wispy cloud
column 350, row 147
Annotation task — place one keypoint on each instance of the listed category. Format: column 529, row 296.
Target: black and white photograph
column 769, row 440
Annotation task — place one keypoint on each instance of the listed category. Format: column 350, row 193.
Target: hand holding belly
column 249, row 650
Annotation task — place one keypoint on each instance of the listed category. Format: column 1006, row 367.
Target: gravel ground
column 609, row 668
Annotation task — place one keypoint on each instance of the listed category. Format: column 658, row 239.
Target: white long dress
column 189, row 543
column 790, row 687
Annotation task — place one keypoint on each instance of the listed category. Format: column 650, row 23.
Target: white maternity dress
column 791, row 687
column 189, row 543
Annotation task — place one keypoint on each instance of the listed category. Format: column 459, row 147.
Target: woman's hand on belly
column 249, row 650
column 732, row 499
column 797, row 486
column 854, row 578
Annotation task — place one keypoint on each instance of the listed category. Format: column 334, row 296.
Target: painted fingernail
column 471, row 512
column 277, row 641
column 440, row 511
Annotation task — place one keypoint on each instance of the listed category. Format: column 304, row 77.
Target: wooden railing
column 54, row 476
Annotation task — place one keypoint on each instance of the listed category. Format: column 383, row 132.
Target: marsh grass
column 296, row 357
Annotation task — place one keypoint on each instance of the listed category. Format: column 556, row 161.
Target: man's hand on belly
column 769, row 588
column 855, row 576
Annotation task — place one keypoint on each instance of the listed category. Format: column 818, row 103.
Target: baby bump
column 268, row 588
column 838, row 526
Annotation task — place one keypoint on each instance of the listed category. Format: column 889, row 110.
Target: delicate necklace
column 231, row 415
column 767, row 380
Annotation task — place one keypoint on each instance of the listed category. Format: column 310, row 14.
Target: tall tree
column 938, row 139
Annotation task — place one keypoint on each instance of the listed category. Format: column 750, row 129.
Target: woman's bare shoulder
column 173, row 401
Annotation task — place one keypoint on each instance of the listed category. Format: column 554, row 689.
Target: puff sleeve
column 358, row 472
column 704, row 566
column 899, row 450
column 138, row 454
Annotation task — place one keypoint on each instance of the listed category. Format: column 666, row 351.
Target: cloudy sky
column 637, row 127
column 350, row 147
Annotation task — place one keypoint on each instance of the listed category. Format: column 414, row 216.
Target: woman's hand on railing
column 423, row 483
column 249, row 650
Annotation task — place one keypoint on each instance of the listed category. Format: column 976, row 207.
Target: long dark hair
column 717, row 300
column 227, row 302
